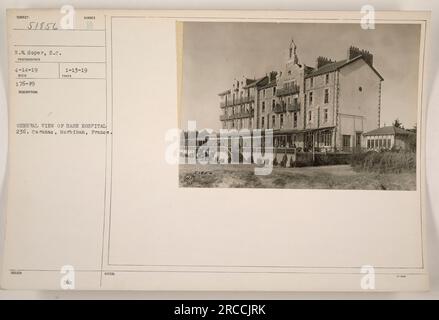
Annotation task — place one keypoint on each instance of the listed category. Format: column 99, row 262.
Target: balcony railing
column 244, row 114
column 280, row 107
column 287, row 90
column 239, row 115
column 293, row 107
column 237, row 101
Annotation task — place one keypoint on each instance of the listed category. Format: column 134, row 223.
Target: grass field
column 325, row 177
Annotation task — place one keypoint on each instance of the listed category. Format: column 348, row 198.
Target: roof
column 389, row 130
column 268, row 85
column 253, row 82
column 288, row 131
column 330, row 67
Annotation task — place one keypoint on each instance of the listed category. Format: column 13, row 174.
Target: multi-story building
column 328, row 106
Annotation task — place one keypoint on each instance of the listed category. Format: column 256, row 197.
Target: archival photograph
column 299, row 105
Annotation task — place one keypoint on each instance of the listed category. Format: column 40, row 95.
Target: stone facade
column 327, row 107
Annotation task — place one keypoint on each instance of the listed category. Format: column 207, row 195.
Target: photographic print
column 299, row 105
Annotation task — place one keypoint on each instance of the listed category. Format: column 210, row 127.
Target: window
column 326, row 95
column 273, row 121
column 346, row 141
column 325, row 138
column 263, row 106
column 310, row 98
column 309, row 116
column 389, row 143
column 327, row 78
column 274, row 91
column 273, row 104
column 281, row 121
column 262, row 122
column 325, row 115
column 296, row 101
column 295, row 119
column 263, row 93
column 311, row 82
column 288, row 100
column 368, row 144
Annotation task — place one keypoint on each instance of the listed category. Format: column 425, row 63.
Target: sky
column 214, row 53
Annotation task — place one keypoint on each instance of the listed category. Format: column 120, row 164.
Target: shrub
column 304, row 159
column 385, row 161
column 326, row 159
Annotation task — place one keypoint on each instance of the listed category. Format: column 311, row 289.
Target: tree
column 411, row 141
column 397, row 124
column 414, row 129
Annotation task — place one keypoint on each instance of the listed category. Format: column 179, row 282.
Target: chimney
column 321, row 61
column 354, row 52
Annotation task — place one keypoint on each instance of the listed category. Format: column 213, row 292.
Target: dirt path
column 324, row 177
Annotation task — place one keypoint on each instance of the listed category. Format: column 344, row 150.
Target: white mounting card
column 112, row 183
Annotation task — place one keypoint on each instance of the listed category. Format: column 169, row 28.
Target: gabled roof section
column 330, row 67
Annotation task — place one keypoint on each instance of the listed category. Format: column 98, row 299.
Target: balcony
column 244, row 114
column 239, row 115
column 287, row 91
column 280, row 107
column 237, row 101
column 293, row 107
